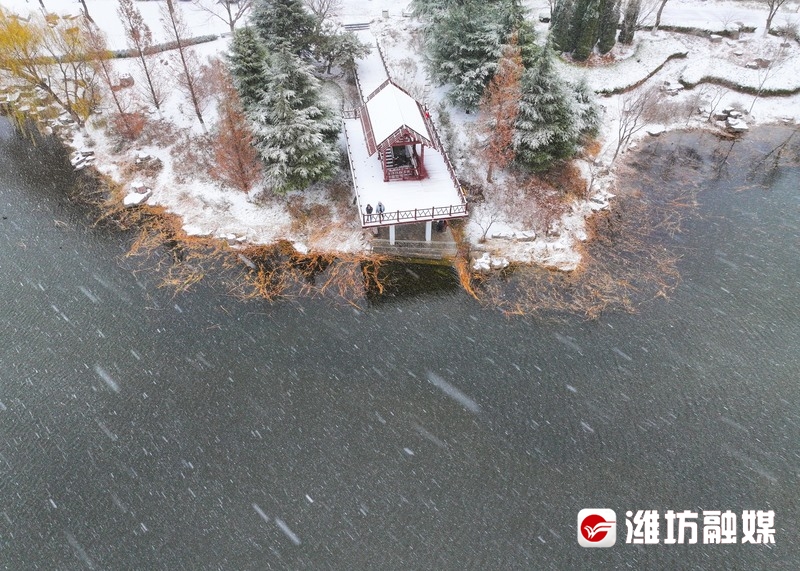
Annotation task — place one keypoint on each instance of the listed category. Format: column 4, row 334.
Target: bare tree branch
column 776, row 57
column 658, row 15
column 229, row 11
column 140, row 38
column 635, row 107
column 86, row 12
column 323, row 9
column 772, row 6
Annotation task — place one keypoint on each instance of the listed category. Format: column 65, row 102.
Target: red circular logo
column 594, row 528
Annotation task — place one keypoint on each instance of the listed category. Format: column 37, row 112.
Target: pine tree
column 333, row 44
column 628, row 28
column 464, row 45
column 586, row 29
column 561, row 25
column 512, row 15
column 576, row 25
column 246, row 60
column 515, row 25
column 284, row 24
column 294, row 134
column 585, row 112
column 609, row 22
column 552, row 116
column 431, row 8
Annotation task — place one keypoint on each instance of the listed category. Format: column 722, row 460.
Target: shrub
column 128, row 126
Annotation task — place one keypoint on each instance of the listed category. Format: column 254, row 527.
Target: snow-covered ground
column 655, row 59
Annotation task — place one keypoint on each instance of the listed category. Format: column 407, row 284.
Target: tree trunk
column 64, row 105
column 769, row 22
column 85, row 11
column 189, row 76
column 156, row 99
column 230, row 16
column 658, row 15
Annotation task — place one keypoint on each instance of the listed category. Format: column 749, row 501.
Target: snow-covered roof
column 390, row 108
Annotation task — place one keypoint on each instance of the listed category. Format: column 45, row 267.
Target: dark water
column 142, row 430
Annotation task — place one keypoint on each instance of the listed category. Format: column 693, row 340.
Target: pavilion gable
column 391, row 116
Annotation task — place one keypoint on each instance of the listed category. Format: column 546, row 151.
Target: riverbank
column 170, row 160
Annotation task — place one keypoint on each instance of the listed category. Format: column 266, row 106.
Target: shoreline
column 278, row 272
column 320, row 222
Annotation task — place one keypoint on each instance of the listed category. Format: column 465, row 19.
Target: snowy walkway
column 370, row 70
column 435, row 197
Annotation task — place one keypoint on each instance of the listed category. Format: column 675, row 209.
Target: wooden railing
column 375, row 91
column 438, row 144
column 401, row 216
column 401, row 173
column 383, row 61
column 350, row 162
column 369, row 135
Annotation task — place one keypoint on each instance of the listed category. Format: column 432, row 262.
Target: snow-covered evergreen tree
column 246, row 60
column 465, row 39
column 464, row 44
column 561, row 25
column 512, row 15
column 526, row 40
column 609, row 22
column 578, row 25
column 430, row 8
column 294, row 132
column 552, row 116
column 585, row 111
column 335, row 45
column 284, row 24
column 628, row 28
column 585, row 28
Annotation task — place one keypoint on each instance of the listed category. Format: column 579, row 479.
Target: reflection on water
column 407, row 280
column 146, row 430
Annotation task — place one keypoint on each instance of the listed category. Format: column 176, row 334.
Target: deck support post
column 428, row 226
column 391, row 234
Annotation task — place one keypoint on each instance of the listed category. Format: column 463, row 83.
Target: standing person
column 379, row 209
column 369, row 212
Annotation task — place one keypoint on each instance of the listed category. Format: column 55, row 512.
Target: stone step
column 415, row 249
column 413, row 253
